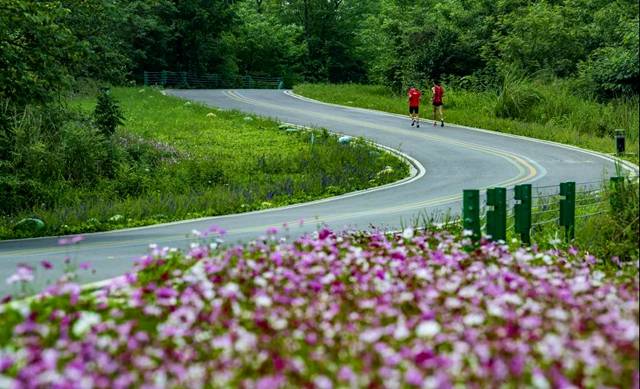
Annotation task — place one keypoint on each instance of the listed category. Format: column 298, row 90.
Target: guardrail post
column 163, row 78
column 615, row 195
column 146, row 78
column 497, row 217
column 471, row 212
column 568, row 209
column 522, row 212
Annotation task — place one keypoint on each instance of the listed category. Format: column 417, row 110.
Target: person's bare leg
column 441, row 116
column 434, row 114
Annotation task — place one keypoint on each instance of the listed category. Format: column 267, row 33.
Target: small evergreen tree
column 107, row 114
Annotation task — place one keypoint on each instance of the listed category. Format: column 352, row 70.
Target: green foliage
column 107, row 114
column 35, row 52
column 615, row 233
column 174, row 161
column 516, row 97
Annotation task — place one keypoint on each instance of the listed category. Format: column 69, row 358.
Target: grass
column 204, row 162
column 544, row 111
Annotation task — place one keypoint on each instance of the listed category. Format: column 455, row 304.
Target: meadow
column 173, row 159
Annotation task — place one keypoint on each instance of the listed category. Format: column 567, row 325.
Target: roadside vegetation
column 78, row 171
column 538, row 109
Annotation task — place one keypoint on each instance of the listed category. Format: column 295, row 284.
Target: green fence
column 525, row 209
column 186, row 80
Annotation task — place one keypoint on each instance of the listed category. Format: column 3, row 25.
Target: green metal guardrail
column 556, row 207
column 188, row 80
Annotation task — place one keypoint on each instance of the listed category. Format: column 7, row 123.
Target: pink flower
column 46, row 264
column 214, row 229
column 270, row 382
column 414, row 377
column 24, row 273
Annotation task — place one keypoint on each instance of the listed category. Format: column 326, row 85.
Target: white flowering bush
column 335, row 310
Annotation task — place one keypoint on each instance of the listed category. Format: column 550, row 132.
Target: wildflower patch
column 335, row 310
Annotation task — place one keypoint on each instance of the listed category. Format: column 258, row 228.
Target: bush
column 611, row 72
column 84, row 153
column 107, row 114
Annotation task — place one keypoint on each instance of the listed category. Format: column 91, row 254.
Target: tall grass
column 539, row 109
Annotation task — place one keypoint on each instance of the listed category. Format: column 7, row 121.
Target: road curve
column 454, row 157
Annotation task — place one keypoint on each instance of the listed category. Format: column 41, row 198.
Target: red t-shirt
column 414, row 97
column 438, row 91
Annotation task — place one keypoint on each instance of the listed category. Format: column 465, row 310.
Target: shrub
column 107, row 114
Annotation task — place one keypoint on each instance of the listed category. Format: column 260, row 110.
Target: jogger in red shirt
column 414, row 105
column 438, row 94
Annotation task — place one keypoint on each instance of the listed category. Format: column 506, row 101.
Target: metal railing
column 522, row 211
column 186, row 80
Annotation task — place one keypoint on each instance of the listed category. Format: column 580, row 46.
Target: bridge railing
column 524, row 210
column 187, row 80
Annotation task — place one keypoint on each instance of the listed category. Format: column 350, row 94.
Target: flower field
column 329, row 310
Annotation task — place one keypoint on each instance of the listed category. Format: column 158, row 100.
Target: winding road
column 445, row 161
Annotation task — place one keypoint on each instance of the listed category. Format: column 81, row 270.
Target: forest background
column 45, row 45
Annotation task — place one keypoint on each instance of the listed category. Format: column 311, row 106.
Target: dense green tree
column 37, row 53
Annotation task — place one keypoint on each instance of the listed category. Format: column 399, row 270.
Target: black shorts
column 413, row 109
column 437, row 104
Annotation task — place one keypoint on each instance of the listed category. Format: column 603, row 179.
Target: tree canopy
column 46, row 44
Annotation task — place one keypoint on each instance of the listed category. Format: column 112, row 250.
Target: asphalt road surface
column 445, row 160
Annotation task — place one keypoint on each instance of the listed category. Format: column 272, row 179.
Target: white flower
column 327, row 279
column 263, row 301
column 468, row 292
column 473, row 319
column 401, row 332
column 494, row 309
column 452, row 303
column 84, row 323
column 279, row 324
column 407, row 233
column 539, row 381
column 371, row 335
column 427, row 329
column 523, row 256
column 558, row 314
column 422, row 274
column 246, row 341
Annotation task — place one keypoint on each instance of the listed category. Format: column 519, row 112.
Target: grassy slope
column 226, row 164
column 560, row 117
